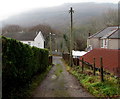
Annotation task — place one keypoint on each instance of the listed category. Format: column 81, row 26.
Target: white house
column 31, row 38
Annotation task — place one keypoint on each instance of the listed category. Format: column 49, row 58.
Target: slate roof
column 115, row 35
column 111, row 59
column 21, row 36
column 107, row 32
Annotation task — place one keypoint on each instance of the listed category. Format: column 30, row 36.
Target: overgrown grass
column 109, row 88
column 26, row 92
column 58, row 70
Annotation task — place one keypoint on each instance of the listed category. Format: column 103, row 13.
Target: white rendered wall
column 39, row 41
column 27, row 42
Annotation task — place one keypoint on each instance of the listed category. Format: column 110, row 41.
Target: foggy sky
column 12, row 7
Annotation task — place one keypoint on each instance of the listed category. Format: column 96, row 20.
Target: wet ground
column 59, row 83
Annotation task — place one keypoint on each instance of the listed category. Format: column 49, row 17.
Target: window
column 105, row 42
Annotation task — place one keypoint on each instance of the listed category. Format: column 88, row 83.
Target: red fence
column 111, row 59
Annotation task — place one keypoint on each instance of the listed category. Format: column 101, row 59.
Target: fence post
column 101, row 69
column 82, row 64
column 50, row 60
column 94, row 67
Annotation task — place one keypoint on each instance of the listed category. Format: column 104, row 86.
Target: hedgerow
column 20, row 62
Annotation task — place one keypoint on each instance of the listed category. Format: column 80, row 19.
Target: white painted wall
column 77, row 54
column 114, row 43
column 38, row 41
column 31, row 43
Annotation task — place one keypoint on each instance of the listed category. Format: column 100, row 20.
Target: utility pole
column 50, row 45
column 56, row 45
column 50, row 34
column 71, row 11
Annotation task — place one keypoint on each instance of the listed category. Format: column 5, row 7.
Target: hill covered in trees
column 88, row 18
column 58, row 17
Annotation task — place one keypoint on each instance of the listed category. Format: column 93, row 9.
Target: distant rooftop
column 115, row 34
column 109, row 32
column 22, row 36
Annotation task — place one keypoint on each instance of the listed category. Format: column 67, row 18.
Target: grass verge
column 58, row 70
column 109, row 88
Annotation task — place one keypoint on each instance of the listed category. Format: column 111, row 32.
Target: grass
column 58, row 70
column 108, row 88
column 37, row 80
column 28, row 90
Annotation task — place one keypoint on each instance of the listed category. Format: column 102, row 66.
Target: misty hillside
column 58, row 17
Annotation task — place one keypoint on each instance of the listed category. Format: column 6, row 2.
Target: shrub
column 108, row 88
column 20, row 62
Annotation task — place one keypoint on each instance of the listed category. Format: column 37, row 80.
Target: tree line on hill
column 80, row 32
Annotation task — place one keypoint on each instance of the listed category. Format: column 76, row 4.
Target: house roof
column 110, row 59
column 105, row 33
column 42, row 35
column 116, row 34
column 22, row 36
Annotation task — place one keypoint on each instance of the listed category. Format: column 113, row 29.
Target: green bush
column 20, row 63
column 108, row 88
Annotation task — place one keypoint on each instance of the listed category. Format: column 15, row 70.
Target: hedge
column 20, row 62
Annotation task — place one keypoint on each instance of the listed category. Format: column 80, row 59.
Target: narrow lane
column 59, row 83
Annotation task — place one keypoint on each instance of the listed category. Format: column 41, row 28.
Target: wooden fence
column 92, row 67
column 66, row 57
column 50, row 60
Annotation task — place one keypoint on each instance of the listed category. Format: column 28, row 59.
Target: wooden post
column 71, row 11
column 119, row 83
column 94, row 67
column 101, row 69
column 82, row 64
column 50, row 45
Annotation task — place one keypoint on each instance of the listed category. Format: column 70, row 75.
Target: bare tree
column 11, row 28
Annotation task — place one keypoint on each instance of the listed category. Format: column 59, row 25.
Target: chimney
column 37, row 32
column 89, row 34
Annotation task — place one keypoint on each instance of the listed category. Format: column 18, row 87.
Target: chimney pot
column 89, row 34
